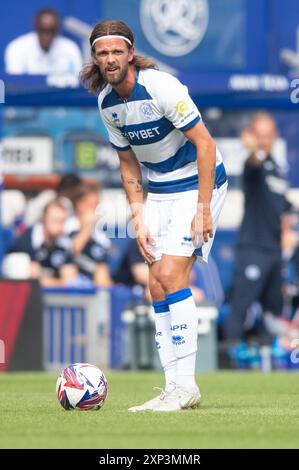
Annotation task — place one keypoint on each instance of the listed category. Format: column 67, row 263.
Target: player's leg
column 163, row 327
column 163, row 339
column 175, row 268
column 156, row 218
column 175, row 279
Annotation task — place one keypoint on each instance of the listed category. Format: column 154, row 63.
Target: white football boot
column 180, row 398
column 154, row 402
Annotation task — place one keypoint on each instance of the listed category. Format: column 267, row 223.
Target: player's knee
column 156, row 290
column 171, row 280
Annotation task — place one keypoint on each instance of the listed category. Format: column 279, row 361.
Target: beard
column 118, row 77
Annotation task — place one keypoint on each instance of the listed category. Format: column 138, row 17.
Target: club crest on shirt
column 116, row 119
column 146, row 110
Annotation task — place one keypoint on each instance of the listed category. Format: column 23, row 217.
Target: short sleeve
column 117, row 140
column 177, row 105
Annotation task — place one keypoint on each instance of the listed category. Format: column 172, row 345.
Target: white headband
column 112, row 36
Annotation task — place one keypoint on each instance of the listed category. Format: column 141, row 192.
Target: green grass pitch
column 239, row 410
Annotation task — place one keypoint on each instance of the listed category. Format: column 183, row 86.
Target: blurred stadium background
column 237, row 57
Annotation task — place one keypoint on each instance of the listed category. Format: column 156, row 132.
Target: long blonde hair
column 90, row 76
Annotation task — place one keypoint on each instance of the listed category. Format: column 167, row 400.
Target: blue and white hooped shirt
column 151, row 122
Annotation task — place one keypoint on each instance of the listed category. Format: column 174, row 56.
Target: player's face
column 265, row 133
column 112, row 56
column 54, row 221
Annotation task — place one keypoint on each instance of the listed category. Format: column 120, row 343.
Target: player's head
column 47, row 25
column 54, row 218
column 112, row 45
column 264, row 128
column 113, row 53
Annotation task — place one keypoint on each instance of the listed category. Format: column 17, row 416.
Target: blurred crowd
column 57, row 231
column 263, row 321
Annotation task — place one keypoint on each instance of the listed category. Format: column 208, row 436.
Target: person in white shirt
column 152, row 121
column 43, row 51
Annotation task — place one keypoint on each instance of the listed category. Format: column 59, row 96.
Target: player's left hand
column 202, row 226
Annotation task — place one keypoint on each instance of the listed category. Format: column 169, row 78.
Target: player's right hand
column 144, row 241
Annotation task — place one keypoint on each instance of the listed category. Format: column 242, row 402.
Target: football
column 82, row 386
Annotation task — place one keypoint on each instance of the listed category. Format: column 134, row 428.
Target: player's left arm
column 202, row 224
column 178, row 107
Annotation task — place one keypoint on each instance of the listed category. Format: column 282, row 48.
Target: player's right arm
column 132, row 181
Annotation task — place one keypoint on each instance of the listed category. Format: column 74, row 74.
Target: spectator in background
column 68, row 185
column 66, row 188
column 258, row 257
column 90, row 247
column 43, row 51
column 49, row 250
